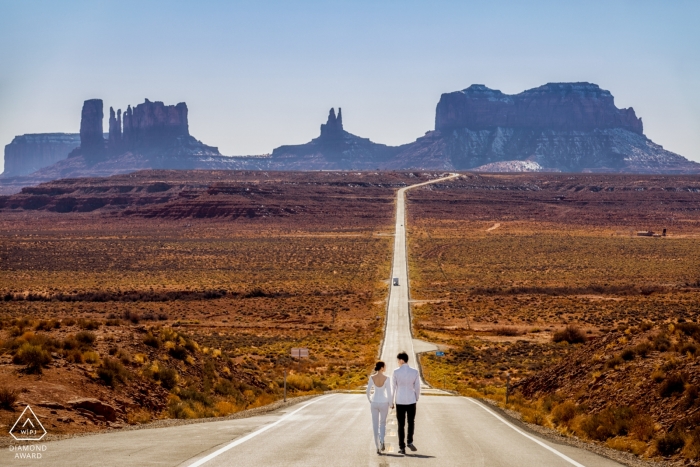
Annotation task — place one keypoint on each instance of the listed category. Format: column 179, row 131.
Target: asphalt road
column 333, row 430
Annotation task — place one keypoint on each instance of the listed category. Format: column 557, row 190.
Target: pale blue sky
column 259, row 74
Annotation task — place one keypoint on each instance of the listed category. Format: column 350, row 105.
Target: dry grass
column 562, row 297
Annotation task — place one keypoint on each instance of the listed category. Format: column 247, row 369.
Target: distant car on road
column 396, row 281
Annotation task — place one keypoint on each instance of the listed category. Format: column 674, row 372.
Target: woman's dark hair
column 379, row 365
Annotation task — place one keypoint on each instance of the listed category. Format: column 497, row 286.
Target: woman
column 380, row 402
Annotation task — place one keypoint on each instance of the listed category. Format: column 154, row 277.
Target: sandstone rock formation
column 334, row 149
column 91, row 140
column 571, row 127
column 554, row 107
column 115, row 129
column 154, row 123
column 31, row 152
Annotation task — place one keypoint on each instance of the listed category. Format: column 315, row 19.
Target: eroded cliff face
column 31, row 152
column 91, row 138
column 570, row 127
column 554, row 106
column 153, row 132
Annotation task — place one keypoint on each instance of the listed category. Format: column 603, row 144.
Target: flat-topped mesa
column 554, row 106
column 31, row 152
column 91, row 139
column 154, row 123
column 333, row 127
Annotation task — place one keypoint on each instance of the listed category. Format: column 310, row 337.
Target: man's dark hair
column 403, row 356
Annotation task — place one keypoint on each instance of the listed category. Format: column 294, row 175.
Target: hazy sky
column 259, row 74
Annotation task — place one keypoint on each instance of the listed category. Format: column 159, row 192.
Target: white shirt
column 382, row 393
column 406, row 381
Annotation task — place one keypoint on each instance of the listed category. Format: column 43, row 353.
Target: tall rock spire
column 91, row 139
column 333, row 128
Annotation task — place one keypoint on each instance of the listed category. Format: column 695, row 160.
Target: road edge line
column 532, row 438
column 242, row 440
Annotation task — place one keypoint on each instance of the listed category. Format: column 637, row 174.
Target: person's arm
column 369, row 388
column 390, row 388
column 394, row 383
column 416, row 386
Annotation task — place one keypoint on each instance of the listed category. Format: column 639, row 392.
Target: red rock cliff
column 554, row 106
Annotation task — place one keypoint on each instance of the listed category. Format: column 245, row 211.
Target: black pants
column 401, row 412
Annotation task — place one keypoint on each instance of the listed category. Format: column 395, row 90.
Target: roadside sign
column 300, row 352
column 439, row 354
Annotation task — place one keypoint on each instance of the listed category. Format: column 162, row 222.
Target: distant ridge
column 568, row 127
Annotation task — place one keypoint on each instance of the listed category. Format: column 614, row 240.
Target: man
column 406, row 384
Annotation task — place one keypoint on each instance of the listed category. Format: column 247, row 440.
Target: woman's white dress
column 380, row 401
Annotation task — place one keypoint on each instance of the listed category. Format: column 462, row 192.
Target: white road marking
column 242, row 440
column 549, row 448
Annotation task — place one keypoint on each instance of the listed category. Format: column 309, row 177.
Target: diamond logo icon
column 28, row 427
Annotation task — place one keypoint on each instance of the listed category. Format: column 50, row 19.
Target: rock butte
column 568, row 127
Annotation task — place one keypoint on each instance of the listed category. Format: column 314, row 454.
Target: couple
column 402, row 389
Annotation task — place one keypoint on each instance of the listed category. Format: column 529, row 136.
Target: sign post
column 507, row 386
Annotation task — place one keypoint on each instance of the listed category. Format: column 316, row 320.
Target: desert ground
column 181, row 294
column 543, row 279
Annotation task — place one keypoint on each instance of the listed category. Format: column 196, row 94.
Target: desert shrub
column 178, row 352
column 180, row 409
column 74, row 356
column 688, row 348
column 86, row 338
column 192, row 394
column 627, row 355
column 570, row 334
column 657, row 375
column 642, row 349
column 34, row 356
column 8, row 397
column 138, row 416
column 88, row 324
column 612, row 421
column 300, row 382
column 47, row 325
column 225, row 388
column 690, row 397
column 167, row 376
column 673, row 384
column 550, row 402
column 689, row 329
column 113, row 322
column 148, row 316
column 661, row 342
column 564, row 413
column 506, row 331
column 162, row 317
column 91, row 357
column 124, row 356
column 646, row 325
column 70, row 343
column 151, row 340
column 627, row 444
column 112, row 372
column 692, row 444
column 614, row 362
column 68, row 321
column 670, row 443
column 190, row 345
column 642, row 427
column 131, row 316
